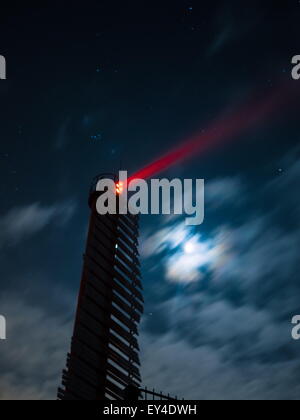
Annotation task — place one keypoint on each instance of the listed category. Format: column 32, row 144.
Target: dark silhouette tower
column 104, row 360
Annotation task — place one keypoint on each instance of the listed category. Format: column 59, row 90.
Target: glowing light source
column 119, row 187
column 189, row 248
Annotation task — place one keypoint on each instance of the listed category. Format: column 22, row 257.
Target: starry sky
column 94, row 86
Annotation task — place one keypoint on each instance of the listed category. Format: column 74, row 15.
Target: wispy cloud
column 206, row 373
column 22, row 222
column 34, row 353
column 231, row 26
column 225, row 191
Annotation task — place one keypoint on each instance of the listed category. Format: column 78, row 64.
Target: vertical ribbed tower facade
column 104, row 359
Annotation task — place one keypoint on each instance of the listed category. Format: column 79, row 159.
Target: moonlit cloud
column 186, row 253
column 192, row 257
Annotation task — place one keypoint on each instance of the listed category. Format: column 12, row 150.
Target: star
column 96, row 137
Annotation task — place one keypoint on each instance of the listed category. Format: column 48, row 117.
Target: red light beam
column 224, row 128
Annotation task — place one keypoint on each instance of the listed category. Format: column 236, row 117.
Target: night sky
column 97, row 86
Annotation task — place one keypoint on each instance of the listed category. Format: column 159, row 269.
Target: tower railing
column 148, row 394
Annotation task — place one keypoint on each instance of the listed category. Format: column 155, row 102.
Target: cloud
column 169, row 236
column 230, row 27
column 225, row 191
column 228, row 335
column 34, row 354
column 186, row 253
column 183, row 251
column 215, row 350
column 218, row 193
column 38, row 310
column 22, row 222
column 195, row 255
column 224, row 36
column 202, row 373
